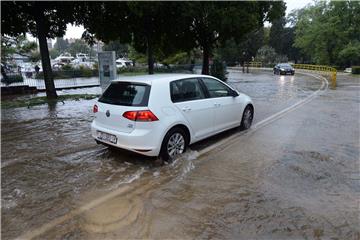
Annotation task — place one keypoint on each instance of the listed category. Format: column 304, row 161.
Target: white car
column 160, row 115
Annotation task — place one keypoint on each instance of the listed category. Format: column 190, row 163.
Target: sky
column 76, row 31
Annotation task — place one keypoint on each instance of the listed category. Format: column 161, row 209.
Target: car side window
column 216, row 88
column 186, row 90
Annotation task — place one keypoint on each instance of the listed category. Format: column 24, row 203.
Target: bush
column 131, row 70
column 218, row 70
column 67, row 67
column 12, row 78
column 69, row 72
column 269, row 57
column 186, row 68
column 355, row 69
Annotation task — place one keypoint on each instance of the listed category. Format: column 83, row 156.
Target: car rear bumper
column 143, row 141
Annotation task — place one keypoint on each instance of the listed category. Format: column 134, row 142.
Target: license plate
column 107, row 137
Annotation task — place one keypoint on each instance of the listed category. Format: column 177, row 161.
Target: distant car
column 284, row 69
column 160, row 115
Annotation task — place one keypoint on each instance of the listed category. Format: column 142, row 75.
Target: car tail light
column 95, row 109
column 140, row 116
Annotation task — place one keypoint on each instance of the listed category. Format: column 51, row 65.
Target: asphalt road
column 295, row 175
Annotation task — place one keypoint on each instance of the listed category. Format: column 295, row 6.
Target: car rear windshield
column 126, row 94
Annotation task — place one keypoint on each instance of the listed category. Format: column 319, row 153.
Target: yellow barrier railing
column 330, row 71
column 255, row 64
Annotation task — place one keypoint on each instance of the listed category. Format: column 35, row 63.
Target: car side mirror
column 234, row 93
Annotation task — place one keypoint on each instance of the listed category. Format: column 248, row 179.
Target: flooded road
column 294, row 178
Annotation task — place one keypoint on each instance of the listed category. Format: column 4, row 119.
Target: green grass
column 5, row 104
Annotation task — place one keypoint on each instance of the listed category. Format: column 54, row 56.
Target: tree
column 281, row 38
column 19, row 45
column 120, row 49
column 43, row 20
column 79, row 46
column 215, row 22
column 35, row 56
column 350, row 54
column 54, row 53
column 268, row 56
column 325, row 29
column 152, row 28
column 232, row 52
column 277, row 35
column 61, row 45
column 158, row 29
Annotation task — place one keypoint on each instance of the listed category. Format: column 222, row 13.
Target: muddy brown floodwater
column 296, row 177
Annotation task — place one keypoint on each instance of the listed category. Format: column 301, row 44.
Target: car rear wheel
column 247, row 118
column 174, row 144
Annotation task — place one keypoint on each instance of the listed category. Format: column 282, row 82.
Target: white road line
column 271, row 118
column 50, row 225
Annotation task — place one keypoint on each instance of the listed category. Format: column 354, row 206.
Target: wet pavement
column 296, row 177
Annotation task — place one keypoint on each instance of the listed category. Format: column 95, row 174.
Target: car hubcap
column 176, row 145
column 247, row 118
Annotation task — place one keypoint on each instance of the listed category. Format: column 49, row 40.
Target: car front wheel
column 174, row 144
column 247, row 118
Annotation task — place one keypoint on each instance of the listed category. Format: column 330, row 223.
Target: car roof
column 157, row 77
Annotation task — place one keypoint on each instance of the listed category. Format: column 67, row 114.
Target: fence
column 81, row 78
column 329, row 71
column 254, row 64
column 60, row 83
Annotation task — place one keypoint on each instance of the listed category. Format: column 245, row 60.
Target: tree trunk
column 205, row 65
column 150, row 55
column 45, row 59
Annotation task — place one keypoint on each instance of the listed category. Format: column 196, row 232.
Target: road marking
column 262, row 123
column 96, row 202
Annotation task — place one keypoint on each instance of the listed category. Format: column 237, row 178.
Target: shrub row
column 74, row 73
column 165, row 69
column 355, row 69
column 13, row 78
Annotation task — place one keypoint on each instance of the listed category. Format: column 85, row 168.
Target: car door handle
column 186, row 109
column 217, row 104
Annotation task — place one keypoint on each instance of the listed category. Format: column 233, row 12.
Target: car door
column 226, row 107
column 189, row 97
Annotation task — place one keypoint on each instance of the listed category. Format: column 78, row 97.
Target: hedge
column 74, row 73
column 355, row 69
column 12, row 78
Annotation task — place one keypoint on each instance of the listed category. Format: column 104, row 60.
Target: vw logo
column 108, row 113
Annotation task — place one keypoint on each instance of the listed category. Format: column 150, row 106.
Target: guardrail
column 255, row 64
column 330, row 71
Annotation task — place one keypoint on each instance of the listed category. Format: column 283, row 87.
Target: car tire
column 175, row 143
column 247, row 118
